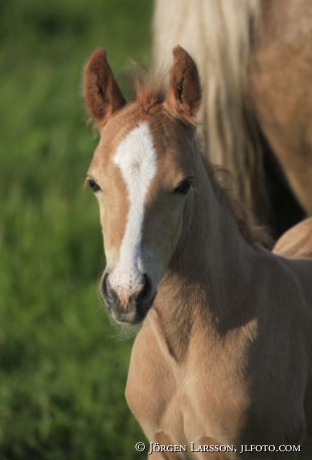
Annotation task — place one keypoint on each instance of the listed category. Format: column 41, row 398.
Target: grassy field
column 62, row 370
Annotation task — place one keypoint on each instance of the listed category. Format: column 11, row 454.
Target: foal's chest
column 180, row 405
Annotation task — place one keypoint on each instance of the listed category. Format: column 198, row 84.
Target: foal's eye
column 184, row 186
column 93, row 185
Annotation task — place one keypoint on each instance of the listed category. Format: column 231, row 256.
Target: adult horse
column 224, row 355
column 255, row 63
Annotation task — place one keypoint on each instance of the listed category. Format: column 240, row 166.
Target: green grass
column 62, row 370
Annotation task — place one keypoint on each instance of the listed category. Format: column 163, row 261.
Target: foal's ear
column 184, row 89
column 102, row 94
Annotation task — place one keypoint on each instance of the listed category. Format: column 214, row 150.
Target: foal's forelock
column 136, row 160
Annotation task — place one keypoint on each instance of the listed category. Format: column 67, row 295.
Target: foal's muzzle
column 131, row 309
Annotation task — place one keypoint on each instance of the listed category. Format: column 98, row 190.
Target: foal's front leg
column 160, row 445
column 166, row 456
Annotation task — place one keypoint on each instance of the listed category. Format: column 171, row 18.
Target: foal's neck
column 208, row 270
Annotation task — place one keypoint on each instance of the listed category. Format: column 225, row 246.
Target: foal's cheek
column 113, row 227
column 169, row 238
column 103, row 225
column 108, row 242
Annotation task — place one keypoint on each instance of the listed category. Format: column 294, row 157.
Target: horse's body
column 297, row 242
column 255, row 62
column 224, row 354
column 224, row 360
column 235, row 378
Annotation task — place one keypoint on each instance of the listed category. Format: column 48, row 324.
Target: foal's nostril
column 106, row 290
column 147, row 288
column 113, row 298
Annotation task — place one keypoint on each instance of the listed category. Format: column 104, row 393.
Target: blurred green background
column 62, row 369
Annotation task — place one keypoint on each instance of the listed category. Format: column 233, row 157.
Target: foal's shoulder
column 296, row 243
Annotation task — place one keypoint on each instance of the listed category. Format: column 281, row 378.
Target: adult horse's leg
column 281, row 89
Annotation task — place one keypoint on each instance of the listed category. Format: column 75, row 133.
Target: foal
column 224, row 353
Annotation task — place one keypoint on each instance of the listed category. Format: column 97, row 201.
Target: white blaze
column 136, row 159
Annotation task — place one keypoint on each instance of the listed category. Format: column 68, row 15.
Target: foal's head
column 142, row 173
